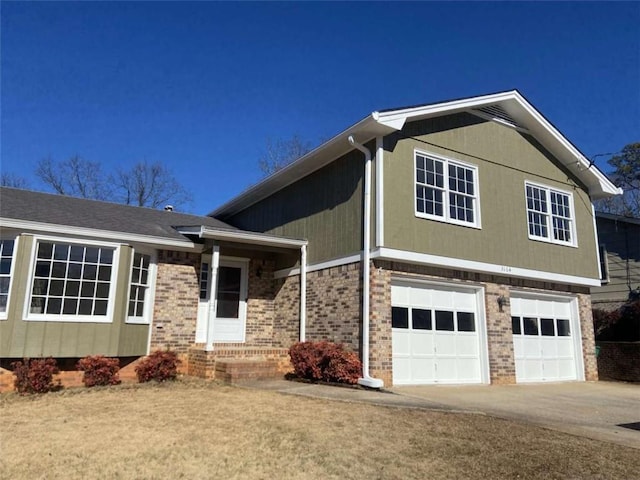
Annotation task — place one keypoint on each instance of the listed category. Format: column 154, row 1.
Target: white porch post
column 303, row 292
column 213, row 296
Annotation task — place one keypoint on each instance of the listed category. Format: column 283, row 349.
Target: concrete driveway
column 589, row 409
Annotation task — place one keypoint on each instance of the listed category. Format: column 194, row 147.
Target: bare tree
column 281, row 152
column 76, row 177
column 150, row 185
column 144, row 184
column 14, row 181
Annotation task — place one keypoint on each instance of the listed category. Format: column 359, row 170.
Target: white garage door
column 544, row 342
column 436, row 335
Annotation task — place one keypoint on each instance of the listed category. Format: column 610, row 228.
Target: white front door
column 437, row 335
column 231, row 302
column 230, row 314
column 545, row 338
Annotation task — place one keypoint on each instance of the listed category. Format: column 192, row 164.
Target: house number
column 505, row 269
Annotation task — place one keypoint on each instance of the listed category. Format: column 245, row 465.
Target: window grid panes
column 204, row 281
column 139, row 284
column 6, row 257
column 445, row 189
column 549, row 214
column 546, row 327
column 422, row 319
column 71, row 280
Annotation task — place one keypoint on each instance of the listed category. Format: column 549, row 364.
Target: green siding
column 21, row 338
column 325, row 208
column 622, row 242
column 505, row 159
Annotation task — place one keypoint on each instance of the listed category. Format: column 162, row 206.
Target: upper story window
column 71, row 282
column 550, row 214
column 446, row 190
column 139, row 289
column 6, row 260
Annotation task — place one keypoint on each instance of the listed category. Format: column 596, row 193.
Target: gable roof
column 509, row 108
column 37, row 210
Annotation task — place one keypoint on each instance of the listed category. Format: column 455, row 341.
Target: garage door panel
column 401, row 370
column 420, row 297
column 442, row 299
column 467, row 345
column 422, row 369
column 400, row 342
column 464, row 301
column 422, row 344
column 445, row 344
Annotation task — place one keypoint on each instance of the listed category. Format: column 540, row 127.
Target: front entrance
column 229, row 322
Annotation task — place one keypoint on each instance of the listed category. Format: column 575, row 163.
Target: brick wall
column 260, row 303
column 502, row 366
column 619, row 361
column 588, row 338
column 286, row 322
column 334, row 305
column 380, row 341
column 176, row 301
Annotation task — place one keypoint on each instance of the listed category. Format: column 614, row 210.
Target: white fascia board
column 445, row 107
column 73, row 232
column 252, row 238
column 482, row 267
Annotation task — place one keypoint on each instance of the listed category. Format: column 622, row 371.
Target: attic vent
column 168, row 208
column 496, row 112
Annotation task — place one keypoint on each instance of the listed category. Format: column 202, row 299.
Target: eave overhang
column 244, row 237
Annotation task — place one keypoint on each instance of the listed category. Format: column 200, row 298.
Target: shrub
column 99, row 370
column 621, row 325
column 159, row 366
column 35, row 375
column 325, row 361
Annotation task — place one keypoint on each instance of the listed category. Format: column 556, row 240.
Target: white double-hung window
column 139, row 289
column 550, row 214
column 6, row 261
column 446, row 190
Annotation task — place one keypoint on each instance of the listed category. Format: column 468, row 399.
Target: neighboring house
column 81, row 277
column 470, row 221
column 619, row 239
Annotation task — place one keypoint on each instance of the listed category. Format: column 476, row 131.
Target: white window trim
column 4, row 315
column 149, row 299
column 550, row 239
column 43, row 317
column 446, row 218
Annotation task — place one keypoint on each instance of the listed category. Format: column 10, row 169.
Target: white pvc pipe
column 366, row 379
column 213, row 300
column 303, row 292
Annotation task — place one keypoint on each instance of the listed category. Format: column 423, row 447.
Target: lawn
column 194, row 429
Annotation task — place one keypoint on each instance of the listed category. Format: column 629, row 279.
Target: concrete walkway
column 589, row 409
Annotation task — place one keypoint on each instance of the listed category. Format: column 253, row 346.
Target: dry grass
column 202, row 430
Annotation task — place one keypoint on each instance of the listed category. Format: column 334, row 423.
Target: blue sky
column 201, row 86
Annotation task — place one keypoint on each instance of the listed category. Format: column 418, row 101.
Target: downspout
column 303, row 292
column 366, row 380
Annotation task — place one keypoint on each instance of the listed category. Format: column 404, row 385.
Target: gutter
column 366, row 379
